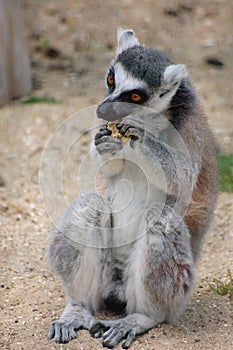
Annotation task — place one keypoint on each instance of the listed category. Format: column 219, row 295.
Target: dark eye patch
column 111, row 86
column 127, row 96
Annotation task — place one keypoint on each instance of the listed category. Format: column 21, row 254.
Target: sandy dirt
column 82, row 36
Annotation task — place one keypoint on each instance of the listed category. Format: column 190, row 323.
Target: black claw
column 130, row 337
column 123, row 128
column 135, row 137
column 98, row 329
column 103, row 132
column 95, row 329
column 132, row 141
column 51, row 332
column 103, row 138
column 107, row 345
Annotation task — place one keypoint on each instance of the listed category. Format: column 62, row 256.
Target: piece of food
column 115, row 132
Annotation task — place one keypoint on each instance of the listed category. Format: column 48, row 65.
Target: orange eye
column 136, row 97
column 110, row 79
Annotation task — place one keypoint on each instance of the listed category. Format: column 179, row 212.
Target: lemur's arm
column 160, row 161
column 107, row 152
column 155, row 154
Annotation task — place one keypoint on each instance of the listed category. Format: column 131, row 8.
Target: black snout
column 114, row 110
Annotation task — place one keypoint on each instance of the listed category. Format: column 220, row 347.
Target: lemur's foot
column 124, row 329
column 63, row 332
column 113, row 332
column 73, row 319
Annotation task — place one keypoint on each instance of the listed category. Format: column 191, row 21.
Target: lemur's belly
column 129, row 206
column 130, row 203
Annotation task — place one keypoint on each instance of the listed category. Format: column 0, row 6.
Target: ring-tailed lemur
column 139, row 255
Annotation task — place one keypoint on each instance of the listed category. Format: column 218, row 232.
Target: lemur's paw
column 102, row 132
column 133, row 128
column 99, row 327
column 113, row 332
column 107, row 144
column 62, row 332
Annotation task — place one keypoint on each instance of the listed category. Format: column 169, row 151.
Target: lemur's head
column 139, row 75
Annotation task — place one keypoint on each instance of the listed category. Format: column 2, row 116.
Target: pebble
column 214, row 61
column 197, row 340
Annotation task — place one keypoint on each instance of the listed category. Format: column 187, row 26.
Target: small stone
column 171, row 11
column 52, row 52
column 214, row 61
column 197, row 340
column 2, row 182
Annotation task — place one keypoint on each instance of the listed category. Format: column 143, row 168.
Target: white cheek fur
column 161, row 104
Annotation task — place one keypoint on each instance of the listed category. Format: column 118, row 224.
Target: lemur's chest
column 131, row 195
column 128, row 201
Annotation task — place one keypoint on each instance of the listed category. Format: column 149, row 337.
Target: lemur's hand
column 105, row 143
column 133, row 128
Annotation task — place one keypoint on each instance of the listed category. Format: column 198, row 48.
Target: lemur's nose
column 106, row 111
column 114, row 110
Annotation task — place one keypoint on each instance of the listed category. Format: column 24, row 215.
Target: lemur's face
column 139, row 76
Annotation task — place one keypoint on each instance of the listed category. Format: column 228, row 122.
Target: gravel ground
column 83, row 35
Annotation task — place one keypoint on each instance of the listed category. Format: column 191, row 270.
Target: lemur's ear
column 174, row 73
column 125, row 40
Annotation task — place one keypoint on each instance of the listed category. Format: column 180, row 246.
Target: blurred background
column 53, row 59
column 71, row 43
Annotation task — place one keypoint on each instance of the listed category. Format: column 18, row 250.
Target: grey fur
column 138, row 250
column 145, row 63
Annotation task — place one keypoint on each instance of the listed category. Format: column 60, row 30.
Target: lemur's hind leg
column 160, row 278
column 76, row 254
